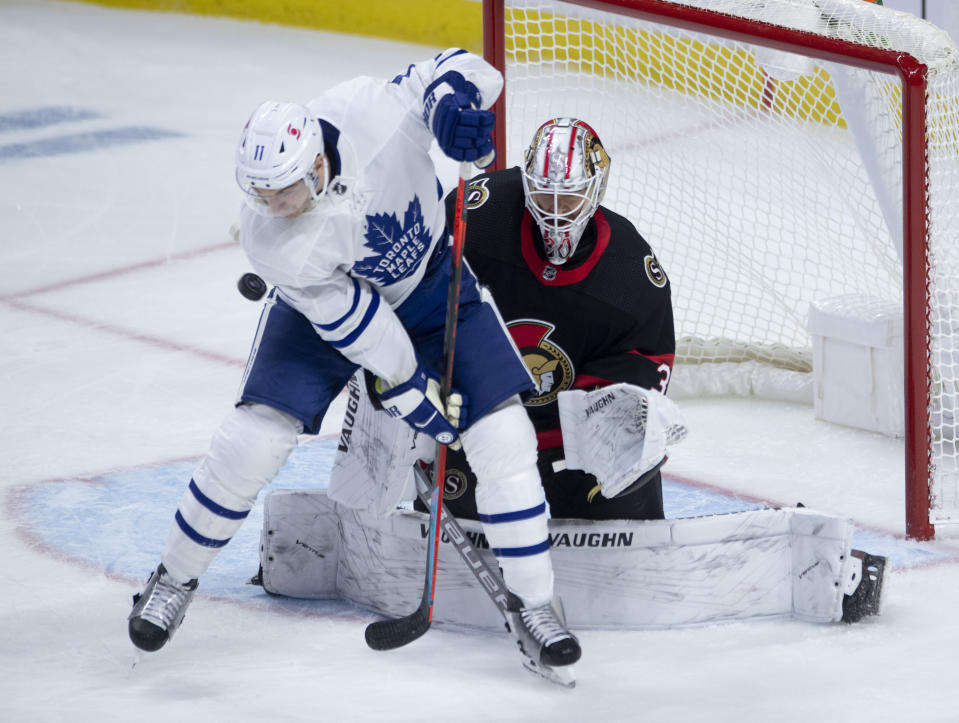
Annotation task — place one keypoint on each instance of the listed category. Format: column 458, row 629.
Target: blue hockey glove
column 450, row 110
column 417, row 401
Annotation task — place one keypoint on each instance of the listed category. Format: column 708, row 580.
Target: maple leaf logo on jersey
column 397, row 250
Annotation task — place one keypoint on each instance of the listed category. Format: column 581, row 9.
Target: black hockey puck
column 251, row 286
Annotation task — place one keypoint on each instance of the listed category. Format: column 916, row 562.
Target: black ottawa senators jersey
column 605, row 316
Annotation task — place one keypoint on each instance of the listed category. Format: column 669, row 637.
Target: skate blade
column 563, row 676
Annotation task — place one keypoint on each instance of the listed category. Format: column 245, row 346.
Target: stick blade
column 397, row 632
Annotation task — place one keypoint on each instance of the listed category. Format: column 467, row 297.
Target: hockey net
column 765, row 148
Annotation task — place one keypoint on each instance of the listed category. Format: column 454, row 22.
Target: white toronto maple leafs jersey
column 346, row 263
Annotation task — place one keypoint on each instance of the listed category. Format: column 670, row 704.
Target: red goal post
column 777, row 71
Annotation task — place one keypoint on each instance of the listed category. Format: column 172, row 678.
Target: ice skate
column 159, row 610
column 547, row 645
column 864, row 591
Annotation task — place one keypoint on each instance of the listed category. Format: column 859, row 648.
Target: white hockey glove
column 618, row 433
column 417, row 401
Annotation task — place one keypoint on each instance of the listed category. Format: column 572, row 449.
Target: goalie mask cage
column 775, row 153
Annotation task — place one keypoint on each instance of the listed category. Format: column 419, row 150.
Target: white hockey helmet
column 564, row 178
column 276, row 159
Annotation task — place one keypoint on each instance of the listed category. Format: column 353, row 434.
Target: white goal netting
column 765, row 180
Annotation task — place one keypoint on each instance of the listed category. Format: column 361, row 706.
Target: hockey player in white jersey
column 344, row 218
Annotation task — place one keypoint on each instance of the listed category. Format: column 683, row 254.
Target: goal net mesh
column 764, row 180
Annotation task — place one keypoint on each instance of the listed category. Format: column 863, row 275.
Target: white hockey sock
column 501, row 449
column 520, row 540
column 246, row 452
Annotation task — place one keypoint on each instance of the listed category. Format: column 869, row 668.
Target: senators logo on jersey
column 477, row 193
column 454, row 484
column 550, row 366
column 654, row 272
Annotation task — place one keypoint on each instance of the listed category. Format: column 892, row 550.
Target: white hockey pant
column 501, row 449
column 246, row 452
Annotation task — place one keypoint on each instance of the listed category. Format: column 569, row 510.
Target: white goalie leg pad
column 501, row 450
column 299, row 544
column 822, row 564
column 373, row 464
column 246, row 452
column 611, row 574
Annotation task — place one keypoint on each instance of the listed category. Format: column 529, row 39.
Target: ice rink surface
column 122, row 341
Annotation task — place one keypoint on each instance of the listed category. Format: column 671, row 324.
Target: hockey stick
column 396, row 632
column 487, row 577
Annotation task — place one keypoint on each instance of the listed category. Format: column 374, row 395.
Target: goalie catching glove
column 417, row 401
column 618, row 433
